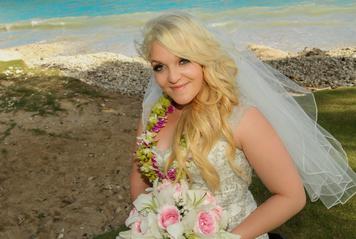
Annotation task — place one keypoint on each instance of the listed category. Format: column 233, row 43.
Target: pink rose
column 168, row 215
column 206, row 224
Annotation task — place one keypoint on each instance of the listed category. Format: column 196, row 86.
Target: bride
column 230, row 115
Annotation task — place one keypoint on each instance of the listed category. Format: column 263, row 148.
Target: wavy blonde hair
column 204, row 120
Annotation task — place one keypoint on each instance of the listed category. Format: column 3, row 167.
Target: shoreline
column 312, row 68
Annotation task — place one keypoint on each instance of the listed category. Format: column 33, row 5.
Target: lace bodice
column 234, row 194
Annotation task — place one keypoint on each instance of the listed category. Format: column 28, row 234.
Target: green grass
column 337, row 114
column 37, row 131
column 20, row 97
column 39, row 90
column 75, row 87
column 4, row 152
column 41, row 132
column 7, row 132
column 111, row 234
column 4, row 65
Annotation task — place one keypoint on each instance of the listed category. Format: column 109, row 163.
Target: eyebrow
column 156, row 61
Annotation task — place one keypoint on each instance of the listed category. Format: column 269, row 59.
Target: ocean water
column 114, row 25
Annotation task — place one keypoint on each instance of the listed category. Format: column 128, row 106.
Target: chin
column 182, row 101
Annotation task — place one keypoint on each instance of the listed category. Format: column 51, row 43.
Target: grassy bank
column 336, row 114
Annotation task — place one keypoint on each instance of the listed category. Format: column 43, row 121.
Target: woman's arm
column 137, row 182
column 274, row 166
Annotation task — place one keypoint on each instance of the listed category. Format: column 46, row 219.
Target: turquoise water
column 113, row 25
column 19, row 10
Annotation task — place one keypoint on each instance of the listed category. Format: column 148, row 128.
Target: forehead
column 160, row 53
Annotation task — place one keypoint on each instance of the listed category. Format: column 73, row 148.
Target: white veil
column 291, row 109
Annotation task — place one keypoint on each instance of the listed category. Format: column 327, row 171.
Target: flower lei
column 147, row 159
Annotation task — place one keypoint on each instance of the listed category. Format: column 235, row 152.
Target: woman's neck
column 177, row 106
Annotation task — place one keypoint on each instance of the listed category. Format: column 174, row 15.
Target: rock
column 312, row 52
column 268, row 53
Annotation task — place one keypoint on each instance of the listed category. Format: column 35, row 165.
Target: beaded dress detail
column 234, row 194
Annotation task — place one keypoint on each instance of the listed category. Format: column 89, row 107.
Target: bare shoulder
column 251, row 121
column 257, row 137
column 251, row 117
column 268, row 156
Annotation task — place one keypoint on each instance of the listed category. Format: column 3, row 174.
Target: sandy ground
column 36, row 51
column 66, row 176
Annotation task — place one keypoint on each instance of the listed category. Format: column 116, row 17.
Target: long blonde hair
column 204, row 121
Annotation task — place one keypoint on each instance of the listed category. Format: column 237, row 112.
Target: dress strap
column 238, row 111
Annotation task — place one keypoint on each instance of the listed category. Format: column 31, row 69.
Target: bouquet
column 173, row 211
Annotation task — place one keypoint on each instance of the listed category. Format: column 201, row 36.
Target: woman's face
column 179, row 78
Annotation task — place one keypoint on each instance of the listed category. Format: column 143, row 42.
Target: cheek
column 160, row 81
column 199, row 78
column 198, row 73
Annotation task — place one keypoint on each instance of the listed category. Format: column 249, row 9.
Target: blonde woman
column 231, row 121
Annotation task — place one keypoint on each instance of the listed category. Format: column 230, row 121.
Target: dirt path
column 65, row 175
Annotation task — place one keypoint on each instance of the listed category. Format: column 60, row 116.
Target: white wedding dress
column 234, row 194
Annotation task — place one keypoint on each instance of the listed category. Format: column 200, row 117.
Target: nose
column 174, row 75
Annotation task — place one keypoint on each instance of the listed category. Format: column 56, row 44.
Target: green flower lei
column 147, row 159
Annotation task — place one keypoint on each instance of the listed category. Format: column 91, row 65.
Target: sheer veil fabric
column 292, row 111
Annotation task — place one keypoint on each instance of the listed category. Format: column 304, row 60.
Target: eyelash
column 156, row 67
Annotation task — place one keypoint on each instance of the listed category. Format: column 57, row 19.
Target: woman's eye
column 184, row 61
column 157, row 68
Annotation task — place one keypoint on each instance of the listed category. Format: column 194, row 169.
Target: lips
column 179, row 86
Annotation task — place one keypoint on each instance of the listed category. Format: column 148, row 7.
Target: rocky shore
column 312, row 68
column 317, row 69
